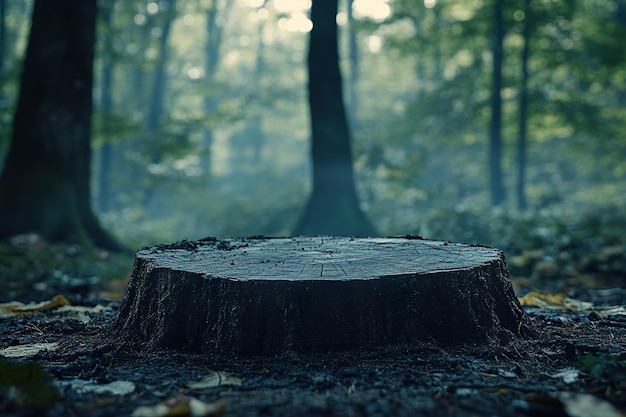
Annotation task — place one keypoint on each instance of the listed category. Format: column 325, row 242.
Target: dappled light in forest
column 287, row 6
column 416, row 82
column 140, row 19
column 272, row 141
column 296, row 22
column 374, row 43
column 152, row 7
column 377, row 10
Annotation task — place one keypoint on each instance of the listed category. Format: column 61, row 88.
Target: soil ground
column 575, row 366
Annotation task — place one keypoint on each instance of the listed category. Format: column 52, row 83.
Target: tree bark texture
column 268, row 296
column 333, row 207
column 45, row 186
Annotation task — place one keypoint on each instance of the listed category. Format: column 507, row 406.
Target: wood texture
column 263, row 296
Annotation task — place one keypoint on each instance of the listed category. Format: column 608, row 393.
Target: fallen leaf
column 215, row 379
column 585, row 405
column 560, row 301
column 538, row 299
column 182, row 406
column 80, row 313
column 83, row 386
column 568, row 375
column 31, row 349
column 504, row 373
column 16, row 308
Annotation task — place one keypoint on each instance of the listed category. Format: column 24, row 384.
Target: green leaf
column 28, row 384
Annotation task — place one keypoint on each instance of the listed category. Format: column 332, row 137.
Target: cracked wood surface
column 317, row 258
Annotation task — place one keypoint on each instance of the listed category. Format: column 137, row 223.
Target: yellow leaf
column 215, row 379
column 16, row 308
column 542, row 300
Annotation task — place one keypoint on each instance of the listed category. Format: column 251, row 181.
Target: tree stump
column 267, row 296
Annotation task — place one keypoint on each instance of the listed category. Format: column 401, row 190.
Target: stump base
column 266, row 296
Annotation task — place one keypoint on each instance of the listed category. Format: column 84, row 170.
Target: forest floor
column 56, row 358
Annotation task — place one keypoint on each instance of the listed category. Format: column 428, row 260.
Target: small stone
column 593, row 316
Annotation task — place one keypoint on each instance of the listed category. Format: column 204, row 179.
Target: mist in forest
column 460, row 112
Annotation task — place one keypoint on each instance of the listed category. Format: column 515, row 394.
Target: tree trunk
column 156, row 104
column 333, row 208
column 3, row 51
column 214, row 33
column 353, row 54
column 3, row 32
column 270, row 296
column 523, row 112
column 106, row 107
column 495, row 142
column 255, row 125
column 45, row 186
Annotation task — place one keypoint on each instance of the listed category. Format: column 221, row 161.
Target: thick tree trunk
column 270, row 296
column 45, row 186
column 333, row 208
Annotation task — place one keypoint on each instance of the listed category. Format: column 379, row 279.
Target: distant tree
column 495, row 140
column 213, row 43
column 156, row 104
column 106, row 153
column 523, row 111
column 2, row 60
column 333, row 207
column 353, row 56
column 3, row 31
column 45, row 185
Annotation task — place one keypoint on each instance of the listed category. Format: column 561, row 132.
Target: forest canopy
column 200, row 124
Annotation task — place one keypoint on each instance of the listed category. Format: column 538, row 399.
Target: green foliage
column 112, row 128
column 544, row 244
column 27, row 384
column 420, row 134
column 234, row 206
column 28, row 264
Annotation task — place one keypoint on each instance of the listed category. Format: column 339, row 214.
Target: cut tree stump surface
column 266, row 296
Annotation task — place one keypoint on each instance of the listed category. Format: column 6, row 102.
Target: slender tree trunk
column 3, row 33
column 523, row 112
column 156, row 105
column 495, row 142
column 353, row 54
column 255, row 125
column 106, row 107
column 45, row 186
column 214, row 34
column 333, row 208
column 3, row 51
column 134, row 102
column 438, row 59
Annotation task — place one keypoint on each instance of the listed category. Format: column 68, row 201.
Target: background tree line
column 200, row 123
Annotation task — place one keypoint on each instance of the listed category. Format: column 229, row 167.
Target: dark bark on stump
column 270, row 296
